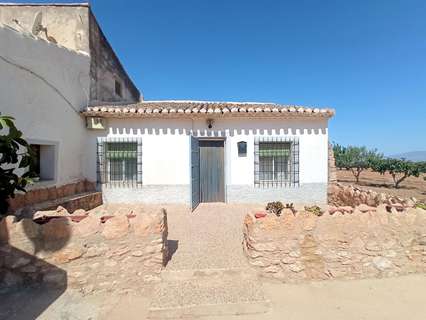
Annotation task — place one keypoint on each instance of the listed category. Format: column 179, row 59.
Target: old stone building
column 74, row 26
column 54, row 62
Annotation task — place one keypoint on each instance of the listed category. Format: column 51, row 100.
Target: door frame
column 225, row 161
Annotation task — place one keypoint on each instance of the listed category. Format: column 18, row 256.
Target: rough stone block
column 116, row 227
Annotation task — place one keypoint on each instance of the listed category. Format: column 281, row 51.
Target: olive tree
column 15, row 152
column 399, row 169
column 355, row 159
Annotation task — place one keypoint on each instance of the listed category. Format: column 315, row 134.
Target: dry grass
column 411, row 187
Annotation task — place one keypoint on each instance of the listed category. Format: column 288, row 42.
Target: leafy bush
column 315, row 210
column 14, row 153
column 275, row 207
column 420, row 205
column 399, row 169
column 355, row 159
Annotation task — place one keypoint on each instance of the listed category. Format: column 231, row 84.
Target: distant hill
column 413, row 156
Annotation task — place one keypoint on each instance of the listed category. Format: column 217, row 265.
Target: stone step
column 189, row 274
column 208, row 292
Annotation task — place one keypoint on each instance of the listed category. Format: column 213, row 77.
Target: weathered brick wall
column 123, row 253
column 62, row 195
column 373, row 243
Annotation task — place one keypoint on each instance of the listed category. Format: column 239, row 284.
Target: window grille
column 276, row 162
column 119, row 162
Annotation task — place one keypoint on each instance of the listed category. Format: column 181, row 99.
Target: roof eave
column 175, row 115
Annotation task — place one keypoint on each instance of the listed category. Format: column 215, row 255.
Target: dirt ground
column 411, row 187
column 369, row 299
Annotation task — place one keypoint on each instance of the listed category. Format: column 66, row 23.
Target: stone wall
column 348, row 195
column 105, row 69
column 66, row 25
column 332, row 171
column 49, row 197
column 103, row 250
column 367, row 243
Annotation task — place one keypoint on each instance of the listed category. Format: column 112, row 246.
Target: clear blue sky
column 365, row 58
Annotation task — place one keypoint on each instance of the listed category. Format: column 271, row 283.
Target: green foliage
column 315, row 210
column 399, row 169
column 356, row 159
column 14, row 153
column 420, row 205
column 422, row 166
column 275, row 207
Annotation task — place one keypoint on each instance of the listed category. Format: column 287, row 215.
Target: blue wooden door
column 212, row 173
column 195, row 173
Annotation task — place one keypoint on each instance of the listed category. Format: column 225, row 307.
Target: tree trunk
column 356, row 173
column 397, row 181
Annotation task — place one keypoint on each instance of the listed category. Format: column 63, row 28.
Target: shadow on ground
column 172, row 246
column 28, row 284
column 24, row 297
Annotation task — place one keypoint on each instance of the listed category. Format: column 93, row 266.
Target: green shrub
column 14, row 153
column 275, row 207
column 315, row 210
column 420, row 205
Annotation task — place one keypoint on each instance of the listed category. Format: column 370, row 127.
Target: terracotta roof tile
column 175, row 108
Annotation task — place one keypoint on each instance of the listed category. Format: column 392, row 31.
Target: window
column 43, row 165
column 119, row 162
column 122, row 161
column 118, row 90
column 276, row 162
column 35, row 164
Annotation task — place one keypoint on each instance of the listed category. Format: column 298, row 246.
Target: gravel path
column 208, row 273
column 208, row 238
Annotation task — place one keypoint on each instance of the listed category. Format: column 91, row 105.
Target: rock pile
column 363, row 242
column 348, row 195
column 121, row 254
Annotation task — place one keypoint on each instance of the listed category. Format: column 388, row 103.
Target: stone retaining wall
column 348, row 195
column 332, row 171
column 123, row 253
column 303, row 246
column 45, row 194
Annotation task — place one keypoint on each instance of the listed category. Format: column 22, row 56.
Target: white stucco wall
column 44, row 86
column 166, row 147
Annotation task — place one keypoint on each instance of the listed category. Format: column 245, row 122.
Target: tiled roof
column 32, row 4
column 205, row 108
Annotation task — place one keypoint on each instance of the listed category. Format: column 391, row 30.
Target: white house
column 79, row 109
column 196, row 151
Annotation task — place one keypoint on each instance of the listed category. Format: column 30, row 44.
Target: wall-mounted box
column 242, row 148
column 95, row 123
